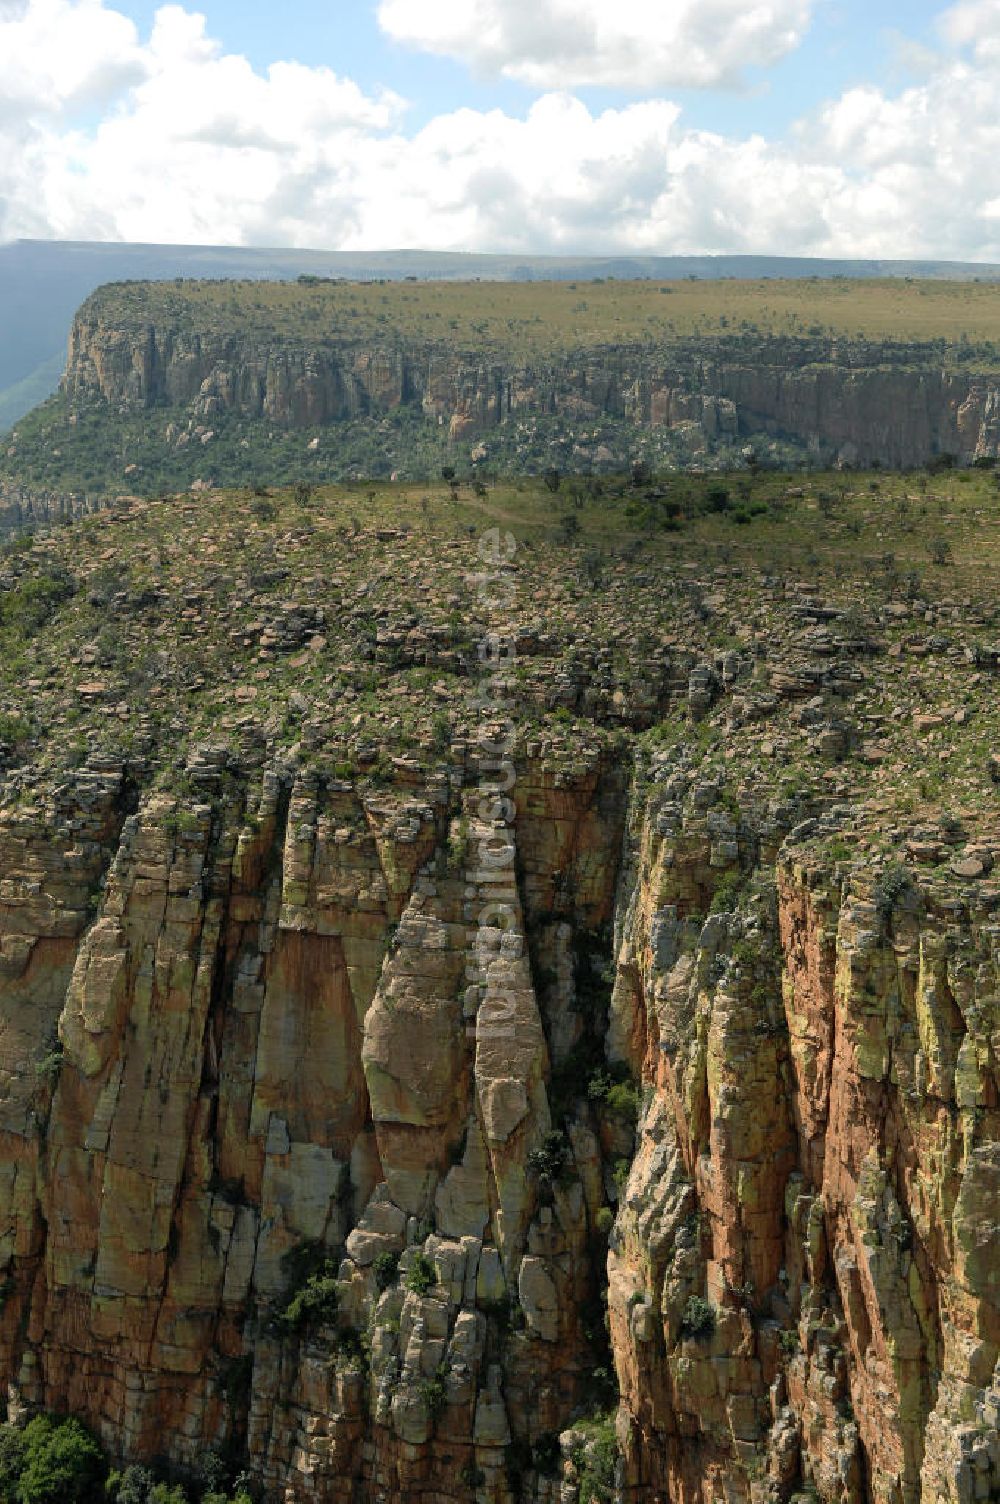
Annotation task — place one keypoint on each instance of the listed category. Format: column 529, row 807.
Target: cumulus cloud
column 60, row 54
column 104, row 134
column 974, row 24
column 640, row 45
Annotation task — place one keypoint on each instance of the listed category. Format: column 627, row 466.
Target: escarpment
column 272, row 1045
column 199, row 384
column 799, row 1286
column 854, row 401
column 507, row 1017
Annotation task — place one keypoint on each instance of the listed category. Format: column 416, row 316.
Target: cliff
column 400, row 1120
column 170, row 385
column 858, row 402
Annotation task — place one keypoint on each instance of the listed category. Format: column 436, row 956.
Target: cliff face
column 616, row 1126
column 819, row 1159
column 273, row 1046
column 270, row 1046
column 861, row 402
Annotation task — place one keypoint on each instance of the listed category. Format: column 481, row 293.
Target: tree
column 63, row 1464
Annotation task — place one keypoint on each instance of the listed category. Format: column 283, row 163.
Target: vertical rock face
column 247, row 1041
column 274, row 1052
column 852, row 400
column 802, row 1286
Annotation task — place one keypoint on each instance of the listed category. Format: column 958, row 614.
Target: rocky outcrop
column 614, row 1125
column 23, row 509
column 858, row 402
column 274, row 1046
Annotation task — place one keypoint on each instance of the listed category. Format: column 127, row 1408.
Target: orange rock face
column 250, row 1039
column 801, row 1290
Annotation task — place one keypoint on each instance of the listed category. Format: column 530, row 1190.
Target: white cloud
column 60, row 54
column 974, row 24
column 107, row 135
column 640, row 45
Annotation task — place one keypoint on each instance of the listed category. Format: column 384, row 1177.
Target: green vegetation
column 550, row 1162
column 699, row 1318
column 614, row 1088
column 434, row 1391
column 421, row 1276
column 595, row 1459
column 56, row 1460
column 385, row 1269
column 143, row 1485
column 542, row 318
column 51, row 1461
column 26, row 609
column 890, row 887
column 76, row 441
column 313, row 1289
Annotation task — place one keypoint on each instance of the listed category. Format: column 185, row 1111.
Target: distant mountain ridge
column 43, row 282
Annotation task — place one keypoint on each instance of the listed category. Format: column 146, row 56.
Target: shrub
column 133, row 1486
column 434, row 1391
column 441, row 731
column 889, row 887
column 699, row 1318
column 620, row 1172
column 726, row 897
column 617, row 1092
column 596, row 1464
column 315, row 1302
column 14, row 730
column 386, row 1268
column 789, row 1343
column 421, row 1275
column 548, row 1161
column 313, row 1288
column 27, row 607
column 623, row 1101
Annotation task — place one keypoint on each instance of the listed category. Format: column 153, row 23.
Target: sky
column 798, row 127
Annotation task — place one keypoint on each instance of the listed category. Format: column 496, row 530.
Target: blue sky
column 849, row 43
column 825, row 127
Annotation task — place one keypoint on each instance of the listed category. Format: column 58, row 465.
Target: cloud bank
column 640, row 45
column 106, row 135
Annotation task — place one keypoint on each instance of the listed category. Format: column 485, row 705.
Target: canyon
column 682, row 1183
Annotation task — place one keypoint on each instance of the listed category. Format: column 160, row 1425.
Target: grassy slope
column 549, row 317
